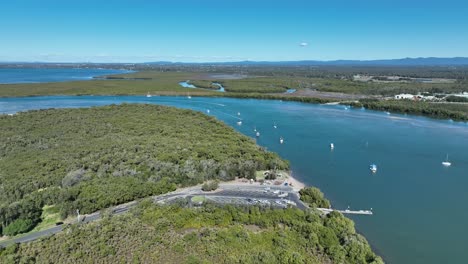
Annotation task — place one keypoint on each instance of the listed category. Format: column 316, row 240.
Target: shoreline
column 294, row 183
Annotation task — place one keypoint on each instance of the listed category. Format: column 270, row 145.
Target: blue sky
column 225, row 30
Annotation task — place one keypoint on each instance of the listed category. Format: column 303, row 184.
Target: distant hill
column 430, row 61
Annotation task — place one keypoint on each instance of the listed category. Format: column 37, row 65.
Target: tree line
column 207, row 234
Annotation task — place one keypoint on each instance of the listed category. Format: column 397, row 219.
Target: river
column 419, row 206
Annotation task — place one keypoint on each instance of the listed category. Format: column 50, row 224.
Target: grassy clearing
column 280, row 175
column 198, row 199
column 50, row 216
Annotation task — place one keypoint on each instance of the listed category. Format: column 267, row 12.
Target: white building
column 404, row 96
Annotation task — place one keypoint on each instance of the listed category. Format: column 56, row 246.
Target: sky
column 227, row 30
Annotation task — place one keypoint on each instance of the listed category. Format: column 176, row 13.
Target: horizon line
column 227, row 62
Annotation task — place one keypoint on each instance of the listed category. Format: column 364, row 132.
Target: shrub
column 314, row 197
column 453, row 98
column 73, row 177
column 210, row 186
column 19, row 226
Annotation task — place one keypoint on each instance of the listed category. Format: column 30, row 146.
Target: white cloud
column 303, row 44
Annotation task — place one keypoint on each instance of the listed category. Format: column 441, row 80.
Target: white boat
column 208, row 111
column 255, row 129
column 238, row 113
column 274, row 125
column 281, row 140
column 189, row 97
column 148, row 95
column 257, row 134
column 239, row 123
column 446, row 163
column 373, row 168
column 332, row 146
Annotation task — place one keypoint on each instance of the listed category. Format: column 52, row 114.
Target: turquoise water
column 420, row 210
column 39, row 75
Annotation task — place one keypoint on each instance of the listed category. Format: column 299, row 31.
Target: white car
column 283, row 194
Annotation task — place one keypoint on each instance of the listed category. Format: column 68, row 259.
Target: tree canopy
column 92, row 158
column 208, row 234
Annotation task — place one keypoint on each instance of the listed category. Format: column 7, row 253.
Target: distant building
column 429, row 98
column 464, row 94
column 404, row 96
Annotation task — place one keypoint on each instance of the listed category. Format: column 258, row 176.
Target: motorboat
column 373, row 168
column 281, row 140
column 332, row 146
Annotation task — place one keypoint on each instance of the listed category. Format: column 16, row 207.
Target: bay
column 41, row 75
column 419, row 206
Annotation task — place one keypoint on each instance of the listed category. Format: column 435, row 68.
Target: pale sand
column 296, row 184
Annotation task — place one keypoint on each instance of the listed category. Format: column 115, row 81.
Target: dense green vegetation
column 205, row 84
column 210, row 186
column 456, row 99
column 93, row 158
column 18, row 226
column 258, row 85
column 209, row 234
column 457, row 112
column 314, row 197
column 302, row 99
column 166, row 83
column 140, row 83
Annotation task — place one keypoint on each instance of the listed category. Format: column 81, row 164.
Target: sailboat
column 446, row 163
column 332, row 146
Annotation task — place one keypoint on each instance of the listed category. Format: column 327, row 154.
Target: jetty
column 347, row 211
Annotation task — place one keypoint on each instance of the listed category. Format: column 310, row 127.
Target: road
column 226, row 193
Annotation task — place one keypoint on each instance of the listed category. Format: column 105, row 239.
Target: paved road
column 56, row 229
column 228, row 193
